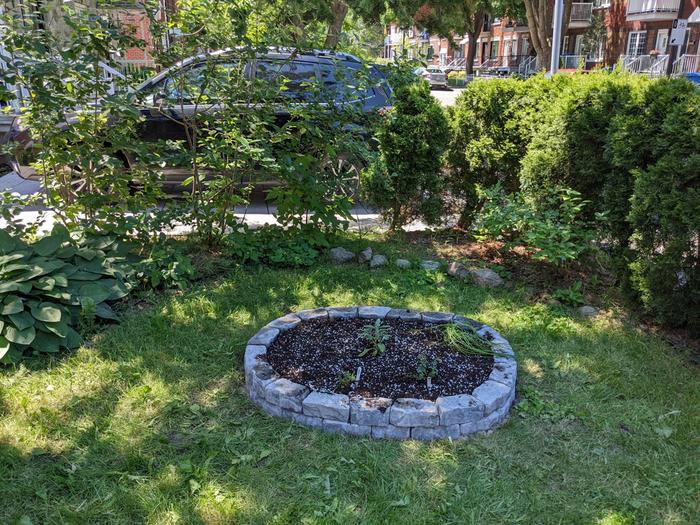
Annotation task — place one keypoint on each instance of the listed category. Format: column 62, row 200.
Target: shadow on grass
column 153, row 424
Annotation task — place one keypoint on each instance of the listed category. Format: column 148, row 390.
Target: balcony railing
column 581, row 11
column 640, row 7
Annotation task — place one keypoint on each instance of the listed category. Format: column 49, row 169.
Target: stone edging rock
column 405, row 418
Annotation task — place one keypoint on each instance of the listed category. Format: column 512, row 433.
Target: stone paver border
column 406, row 418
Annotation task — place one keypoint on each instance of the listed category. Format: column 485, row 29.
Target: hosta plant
column 48, row 285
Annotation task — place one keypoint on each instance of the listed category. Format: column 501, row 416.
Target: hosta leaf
column 87, row 253
column 11, row 305
column 84, row 276
column 60, row 329
column 60, row 279
column 12, row 286
column 60, row 232
column 117, row 288
column 105, row 311
column 100, row 243
column 47, row 245
column 5, row 259
column 49, row 343
column 7, row 242
column 45, row 284
column 48, row 265
column 5, row 346
column 95, row 291
column 95, row 266
column 73, row 339
column 47, row 312
column 20, row 337
column 22, row 320
column 66, row 252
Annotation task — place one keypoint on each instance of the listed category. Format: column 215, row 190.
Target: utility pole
column 673, row 51
column 556, row 35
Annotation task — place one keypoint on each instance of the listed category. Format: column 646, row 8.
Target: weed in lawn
column 377, row 335
column 573, row 296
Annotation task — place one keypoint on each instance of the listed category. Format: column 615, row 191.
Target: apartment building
column 632, row 32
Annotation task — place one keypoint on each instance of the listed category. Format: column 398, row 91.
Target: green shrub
column 47, row 286
column 294, row 247
column 486, row 143
column 405, row 182
column 665, row 215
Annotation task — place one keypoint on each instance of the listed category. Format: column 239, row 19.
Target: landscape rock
column 391, row 432
column 403, row 314
column 437, row 317
column 492, row 394
column 339, row 427
column 316, row 313
column 404, row 264
column 327, row 406
column 410, row 412
column 433, row 433
column 365, row 256
column 459, row 409
column 486, row 277
column 373, row 312
column 457, row 270
column 588, row 311
column 286, row 394
column 430, row 265
column 285, row 323
column 264, row 337
column 370, row 411
column 340, row 255
column 342, row 312
column 377, row 261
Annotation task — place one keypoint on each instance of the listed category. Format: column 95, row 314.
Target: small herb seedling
column 426, row 369
column 347, row 378
column 377, row 335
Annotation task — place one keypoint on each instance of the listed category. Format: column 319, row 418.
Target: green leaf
column 60, row 232
column 20, row 337
column 22, row 320
column 95, row 291
column 60, row 279
column 73, row 339
column 60, row 329
column 66, row 252
column 4, row 259
column 45, row 283
column 117, row 288
column 49, row 343
column 5, row 346
column 13, row 286
column 47, row 245
column 47, row 312
column 84, row 276
column 87, row 253
column 7, row 242
column 105, row 311
column 11, row 305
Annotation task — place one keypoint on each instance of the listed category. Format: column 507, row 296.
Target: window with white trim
column 636, row 43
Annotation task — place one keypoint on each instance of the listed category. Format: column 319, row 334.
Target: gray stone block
column 370, row 411
column 339, row 427
column 430, row 265
column 433, row 433
column 406, row 315
column 437, row 317
column 504, row 372
column 271, row 409
column 365, row 256
column 309, row 421
column 404, row 264
column 410, row 412
column 488, row 423
column 342, row 312
column 340, row 255
column 285, row 323
column 327, row 406
column 492, row 394
column 486, row 277
column 460, row 319
column 316, row 313
column 286, row 394
column 455, row 410
column 391, row 432
column 373, row 312
column 252, row 353
column 261, row 375
column 265, row 337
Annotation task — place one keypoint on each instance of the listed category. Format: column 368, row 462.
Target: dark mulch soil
column 318, row 353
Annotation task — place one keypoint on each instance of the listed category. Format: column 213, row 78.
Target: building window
column 637, row 43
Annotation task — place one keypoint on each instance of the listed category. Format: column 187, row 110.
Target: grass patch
column 152, row 425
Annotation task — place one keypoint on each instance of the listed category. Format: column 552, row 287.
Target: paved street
column 447, row 97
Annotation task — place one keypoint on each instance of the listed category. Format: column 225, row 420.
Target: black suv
column 341, row 78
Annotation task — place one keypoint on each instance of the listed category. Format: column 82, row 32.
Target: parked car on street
column 435, row 76
column 337, row 81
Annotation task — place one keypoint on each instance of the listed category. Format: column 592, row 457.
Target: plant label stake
column 430, row 383
column 358, row 374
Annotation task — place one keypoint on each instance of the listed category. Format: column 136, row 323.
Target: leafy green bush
column 164, row 267
column 557, row 232
column 46, row 285
column 405, row 182
column 665, row 217
column 486, row 142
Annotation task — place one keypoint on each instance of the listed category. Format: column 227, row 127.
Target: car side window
column 298, row 78
column 342, row 81
column 201, row 82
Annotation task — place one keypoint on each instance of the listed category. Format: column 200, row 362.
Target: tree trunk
column 471, row 52
column 340, row 10
column 540, row 16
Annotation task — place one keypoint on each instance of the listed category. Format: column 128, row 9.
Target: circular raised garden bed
column 323, row 368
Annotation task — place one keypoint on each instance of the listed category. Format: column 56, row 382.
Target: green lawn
column 151, row 424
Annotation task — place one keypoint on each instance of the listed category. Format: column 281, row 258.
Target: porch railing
column 638, row 7
column 686, row 64
column 572, row 62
